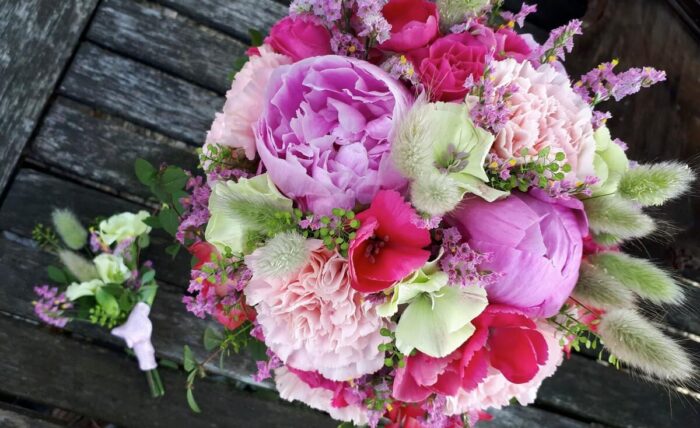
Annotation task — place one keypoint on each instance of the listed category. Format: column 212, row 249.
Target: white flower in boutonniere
column 87, row 288
column 111, row 268
column 123, row 226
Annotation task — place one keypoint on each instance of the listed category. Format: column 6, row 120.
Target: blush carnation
column 314, row 321
column 324, row 134
column 495, row 391
column 233, row 127
column 545, row 112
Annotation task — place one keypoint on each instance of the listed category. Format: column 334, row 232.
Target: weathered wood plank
column 141, row 94
column 11, row 417
column 36, row 40
column 160, row 34
column 100, row 148
column 34, row 195
column 517, row 416
column 232, row 17
column 56, row 370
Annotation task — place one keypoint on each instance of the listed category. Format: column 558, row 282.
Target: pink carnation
column 545, row 112
column 314, row 321
column 233, row 127
column 291, row 387
column 496, row 391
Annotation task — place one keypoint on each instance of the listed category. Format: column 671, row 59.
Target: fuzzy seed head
column 81, row 268
column 637, row 342
column 596, row 288
column 617, row 217
column 435, row 194
column 640, row 276
column 654, row 184
column 69, row 229
column 282, row 255
column 412, row 147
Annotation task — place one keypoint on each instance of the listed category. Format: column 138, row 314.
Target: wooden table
column 88, row 86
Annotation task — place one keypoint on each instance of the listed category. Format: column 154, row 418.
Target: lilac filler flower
column 324, row 134
column 51, row 305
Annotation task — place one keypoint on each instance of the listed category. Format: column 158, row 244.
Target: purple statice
column 560, row 41
column 51, row 305
column 203, row 298
column 426, row 223
column 602, row 83
column 345, row 44
column 328, row 11
column 265, row 367
column 599, row 118
column 123, row 249
column 462, row 264
column 373, row 418
column 223, row 174
column 376, row 298
column 257, row 331
column 372, row 23
column 492, row 111
column 565, row 189
column 400, row 68
column 196, row 206
column 621, row 144
column 518, row 18
column 435, row 410
column 96, row 244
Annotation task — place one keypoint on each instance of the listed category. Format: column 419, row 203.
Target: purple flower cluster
column 566, row 188
column 51, row 305
column 328, row 11
column 492, row 111
column 204, row 299
column 519, row 18
column 426, row 223
column 560, row 41
column 196, row 207
column 400, row 68
column 461, row 263
column 213, row 284
column 372, row 24
column 345, row 44
column 265, row 367
column 602, row 83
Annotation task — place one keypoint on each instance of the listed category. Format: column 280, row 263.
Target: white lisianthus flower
column 87, row 288
column 111, row 268
column 123, row 226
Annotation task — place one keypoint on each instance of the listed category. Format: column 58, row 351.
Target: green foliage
column 167, row 184
column 70, row 229
column 45, row 237
column 637, row 342
column 336, row 231
column 393, row 357
column 542, row 166
column 576, row 333
column 256, row 39
column 654, row 184
column 640, row 276
column 601, row 290
column 58, row 275
column 617, row 217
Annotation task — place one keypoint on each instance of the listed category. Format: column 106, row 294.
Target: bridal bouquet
column 417, row 212
column 100, row 281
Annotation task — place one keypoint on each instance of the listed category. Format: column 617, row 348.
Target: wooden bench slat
column 56, row 370
column 141, row 94
column 102, row 149
column 167, row 40
column 36, row 40
column 232, row 17
column 13, row 417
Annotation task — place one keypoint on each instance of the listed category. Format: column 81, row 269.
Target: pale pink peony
column 291, row 387
column 233, row 127
column 314, row 321
column 496, row 391
column 545, row 112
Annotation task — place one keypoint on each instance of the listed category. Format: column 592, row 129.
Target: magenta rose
column 324, row 134
column 299, row 38
column 414, row 24
column 536, row 242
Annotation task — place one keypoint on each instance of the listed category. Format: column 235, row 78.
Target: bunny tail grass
column 412, row 147
column 637, row 342
column 81, row 268
column 654, row 184
column 435, row 194
column 640, row 276
column 69, row 229
column 597, row 288
column 282, row 255
column 617, row 217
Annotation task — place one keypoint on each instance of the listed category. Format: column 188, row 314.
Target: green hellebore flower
column 111, row 269
column 610, row 163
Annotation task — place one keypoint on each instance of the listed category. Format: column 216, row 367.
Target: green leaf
column 153, row 222
column 143, row 241
column 168, row 363
column 148, row 276
column 57, row 275
column 173, row 250
column 188, row 360
column 256, row 37
column 212, row 338
column 147, row 294
column 169, row 220
column 145, row 172
column 173, row 179
column 191, row 401
column 257, row 350
column 107, row 301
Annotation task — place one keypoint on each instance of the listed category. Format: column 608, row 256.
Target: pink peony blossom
column 324, row 134
column 545, row 112
column 414, row 24
column 536, row 242
column 291, row 387
column 233, row 127
column 496, row 391
column 299, row 38
column 314, row 321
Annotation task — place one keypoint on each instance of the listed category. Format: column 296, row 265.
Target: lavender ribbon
column 136, row 332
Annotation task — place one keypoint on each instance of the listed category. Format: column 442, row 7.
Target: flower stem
column 154, row 383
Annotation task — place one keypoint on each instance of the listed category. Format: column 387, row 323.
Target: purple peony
column 324, row 136
column 536, row 244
